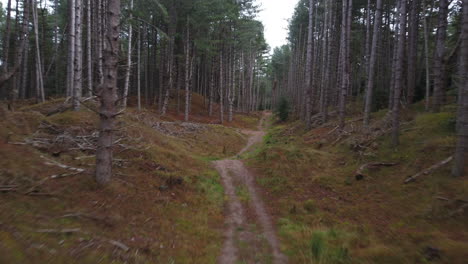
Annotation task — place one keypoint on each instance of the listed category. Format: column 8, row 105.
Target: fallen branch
column 360, row 172
column 51, row 162
column 8, row 188
column 120, row 245
column 429, row 170
column 59, row 231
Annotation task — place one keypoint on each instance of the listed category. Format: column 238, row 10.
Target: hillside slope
column 164, row 195
column 329, row 211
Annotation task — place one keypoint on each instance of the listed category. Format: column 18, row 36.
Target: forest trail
column 249, row 235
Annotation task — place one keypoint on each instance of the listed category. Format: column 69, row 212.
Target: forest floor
column 164, row 205
column 329, row 208
column 250, row 236
column 167, row 202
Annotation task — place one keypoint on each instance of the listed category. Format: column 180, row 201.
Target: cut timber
column 360, row 172
column 429, row 170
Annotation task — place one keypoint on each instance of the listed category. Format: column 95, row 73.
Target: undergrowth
column 164, row 195
column 309, row 178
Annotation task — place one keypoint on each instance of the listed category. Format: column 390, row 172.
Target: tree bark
column 40, row 97
column 6, row 40
column 399, row 75
column 78, row 61
column 309, row 71
column 221, row 94
column 372, row 63
column 129, row 57
column 439, row 63
column 426, row 59
column 413, row 35
column 108, row 94
column 71, row 49
column 346, row 76
column 187, row 74
column 460, row 167
column 89, row 58
column 139, row 70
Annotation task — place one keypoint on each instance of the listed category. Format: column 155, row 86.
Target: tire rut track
column 234, row 175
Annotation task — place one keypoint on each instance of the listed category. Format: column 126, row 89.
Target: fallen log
column 429, row 170
column 359, row 175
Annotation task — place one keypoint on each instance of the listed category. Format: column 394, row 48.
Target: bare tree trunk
column 221, row 94
column 6, row 40
column 39, row 78
column 232, row 90
column 394, row 58
column 211, row 97
column 309, row 71
column 24, row 82
column 460, row 167
column 139, row 70
column 426, row 59
column 187, row 74
column 108, row 95
column 89, row 58
column 345, row 84
column 399, row 75
column 368, row 38
column 129, row 57
column 100, row 43
column 439, row 63
column 71, row 49
column 413, row 49
column 78, row 76
column 372, row 63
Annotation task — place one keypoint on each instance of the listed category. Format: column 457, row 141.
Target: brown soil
column 242, row 242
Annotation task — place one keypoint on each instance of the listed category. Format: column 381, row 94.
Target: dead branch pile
column 55, row 140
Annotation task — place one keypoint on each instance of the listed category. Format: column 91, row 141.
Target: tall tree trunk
column 6, row 39
column 139, row 70
column 78, row 76
column 309, row 71
column 439, row 63
column 346, row 78
column 368, row 38
column 426, row 59
column 108, row 95
column 394, row 57
column 399, row 75
column 100, row 42
column 40, row 97
column 24, row 81
column 129, row 57
column 187, row 74
column 221, row 88
column 71, row 48
column 211, row 96
column 372, row 63
column 413, row 49
column 89, row 58
column 460, row 167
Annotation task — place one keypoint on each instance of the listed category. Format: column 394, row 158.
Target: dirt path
column 249, row 235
